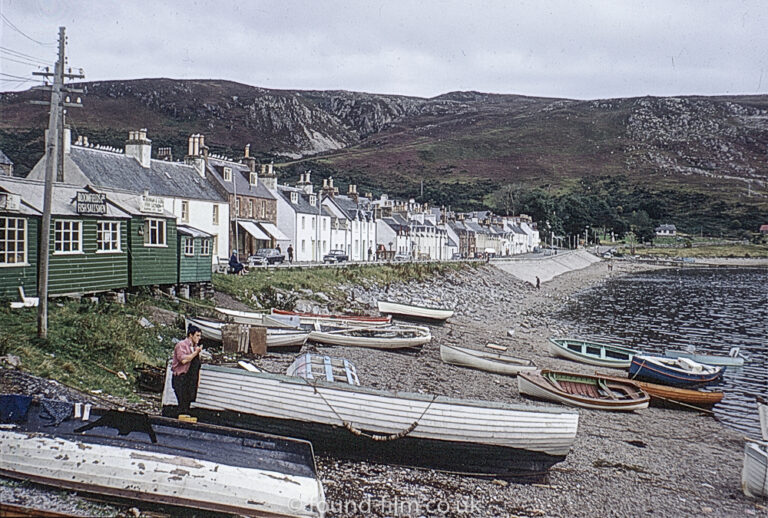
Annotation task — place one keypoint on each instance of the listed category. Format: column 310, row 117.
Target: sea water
column 711, row 309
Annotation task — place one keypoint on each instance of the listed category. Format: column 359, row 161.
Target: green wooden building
column 194, row 250
column 19, row 227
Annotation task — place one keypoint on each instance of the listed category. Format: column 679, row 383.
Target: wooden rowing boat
column 583, row 390
column 414, row 312
column 276, row 337
column 155, row 459
column 707, row 359
column 376, row 337
column 484, row 361
column 592, row 353
column 754, row 474
column 665, row 395
column 762, row 412
column 473, row 437
column 259, row 319
column 311, row 318
column 678, row 372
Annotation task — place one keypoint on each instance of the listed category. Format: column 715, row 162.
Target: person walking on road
column 538, row 283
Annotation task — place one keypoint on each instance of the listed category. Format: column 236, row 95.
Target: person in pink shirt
column 185, row 367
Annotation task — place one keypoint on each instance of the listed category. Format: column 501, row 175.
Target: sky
column 574, row 49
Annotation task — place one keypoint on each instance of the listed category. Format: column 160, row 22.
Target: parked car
column 335, row 256
column 402, row 257
column 264, row 256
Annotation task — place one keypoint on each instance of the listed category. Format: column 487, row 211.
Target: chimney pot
column 247, row 150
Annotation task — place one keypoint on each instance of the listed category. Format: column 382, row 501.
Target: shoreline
column 689, row 462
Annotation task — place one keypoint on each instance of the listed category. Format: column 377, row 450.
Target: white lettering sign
column 91, row 203
column 153, row 204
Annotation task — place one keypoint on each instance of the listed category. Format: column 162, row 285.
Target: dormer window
column 227, row 174
column 254, row 178
column 294, row 197
column 312, row 200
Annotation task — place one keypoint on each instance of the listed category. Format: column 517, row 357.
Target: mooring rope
column 360, row 433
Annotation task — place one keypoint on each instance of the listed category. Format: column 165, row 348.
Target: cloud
column 575, row 49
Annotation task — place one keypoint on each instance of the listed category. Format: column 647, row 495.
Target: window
column 185, row 211
column 294, row 197
column 108, row 236
column 324, row 221
column 263, row 208
column 215, row 245
column 313, row 222
column 237, row 207
column 154, row 232
column 215, row 214
column 189, row 246
column 13, row 241
column 303, row 245
column 227, row 174
column 254, row 178
column 303, row 223
column 312, row 199
column 67, row 237
column 250, row 208
column 205, row 247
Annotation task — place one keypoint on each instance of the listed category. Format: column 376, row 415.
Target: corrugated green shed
column 197, row 265
column 152, row 264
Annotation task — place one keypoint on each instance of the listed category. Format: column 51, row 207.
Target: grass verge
column 729, row 251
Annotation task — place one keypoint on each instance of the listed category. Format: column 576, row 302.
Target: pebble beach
column 651, row 462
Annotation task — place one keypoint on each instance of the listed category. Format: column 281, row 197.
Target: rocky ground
column 653, row 462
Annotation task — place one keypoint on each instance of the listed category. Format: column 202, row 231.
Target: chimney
column 165, row 153
column 249, row 160
column 268, row 177
column 139, row 147
column 328, row 187
column 352, row 192
column 304, row 183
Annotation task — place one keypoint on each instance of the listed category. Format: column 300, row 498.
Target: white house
column 302, row 218
column 359, row 239
column 180, row 188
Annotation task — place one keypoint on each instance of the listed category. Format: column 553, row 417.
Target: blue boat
column 678, row 372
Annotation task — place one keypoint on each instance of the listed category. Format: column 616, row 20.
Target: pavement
column 547, row 267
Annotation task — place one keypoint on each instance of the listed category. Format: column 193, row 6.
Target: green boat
column 592, row 353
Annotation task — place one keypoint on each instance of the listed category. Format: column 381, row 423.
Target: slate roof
column 668, row 228
column 475, row 227
column 162, row 178
column 302, row 205
column 241, row 174
column 395, row 224
column 354, row 209
column 63, row 201
column 4, row 159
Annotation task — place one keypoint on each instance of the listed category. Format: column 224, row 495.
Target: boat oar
column 694, row 407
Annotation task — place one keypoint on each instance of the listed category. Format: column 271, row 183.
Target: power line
column 7, row 58
column 13, row 76
column 21, row 55
column 30, row 38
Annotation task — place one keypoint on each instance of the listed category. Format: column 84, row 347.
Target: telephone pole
column 54, row 162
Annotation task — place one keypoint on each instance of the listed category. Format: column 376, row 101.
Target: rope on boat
column 372, row 436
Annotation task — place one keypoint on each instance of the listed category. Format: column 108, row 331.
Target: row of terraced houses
column 207, row 206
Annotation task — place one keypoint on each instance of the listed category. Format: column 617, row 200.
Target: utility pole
column 54, row 160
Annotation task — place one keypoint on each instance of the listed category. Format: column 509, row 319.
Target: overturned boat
column 155, row 459
column 412, row 311
column 472, row 437
column 484, row 360
column 311, row 318
column 259, row 319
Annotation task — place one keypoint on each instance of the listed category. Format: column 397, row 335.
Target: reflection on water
column 712, row 309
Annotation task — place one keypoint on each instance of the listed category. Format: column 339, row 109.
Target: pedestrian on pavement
column 290, row 253
column 538, row 283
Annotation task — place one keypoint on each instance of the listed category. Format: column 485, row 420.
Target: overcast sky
column 575, row 49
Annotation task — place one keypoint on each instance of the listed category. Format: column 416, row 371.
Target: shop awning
column 253, row 230
column 273, row 231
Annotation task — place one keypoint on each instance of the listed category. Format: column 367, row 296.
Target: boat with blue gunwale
column 678, row 372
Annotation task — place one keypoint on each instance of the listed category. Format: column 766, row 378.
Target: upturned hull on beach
column 311, row 318
column 472, row 437
column 276, row 337
column 375, row 337
column 159, row 460
column 485, row 361
column 413, row 312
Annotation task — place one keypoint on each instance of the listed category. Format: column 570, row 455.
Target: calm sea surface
column 712, row 309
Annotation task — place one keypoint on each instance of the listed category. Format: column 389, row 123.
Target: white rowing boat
column 259, row 319
column 156, row 459
column 485, row 361
column 477, row 437
column 276, row 337
column 413, row 311
column 311, row 318
column 376, row 337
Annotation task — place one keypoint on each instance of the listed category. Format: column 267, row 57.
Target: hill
column 702, row 159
